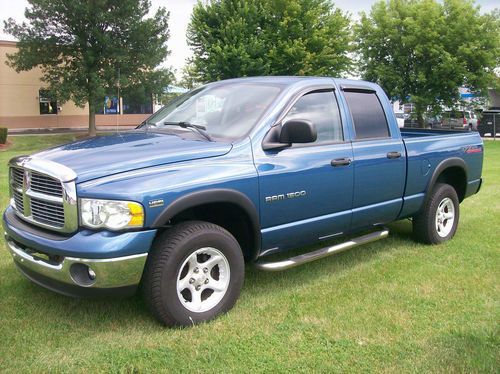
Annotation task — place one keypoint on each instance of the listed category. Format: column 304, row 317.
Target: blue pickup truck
column 230, row 172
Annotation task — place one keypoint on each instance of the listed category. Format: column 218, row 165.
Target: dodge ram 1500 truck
column 232, row 171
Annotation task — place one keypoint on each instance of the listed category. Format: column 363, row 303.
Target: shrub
column 3, row 135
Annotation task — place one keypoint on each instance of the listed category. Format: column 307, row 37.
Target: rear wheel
column 194, row 273
column 438, row 220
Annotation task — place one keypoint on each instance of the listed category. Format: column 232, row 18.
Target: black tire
column 166, row 264
column 425, row 225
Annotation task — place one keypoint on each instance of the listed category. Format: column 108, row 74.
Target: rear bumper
column 473, row 187
column 480, row 184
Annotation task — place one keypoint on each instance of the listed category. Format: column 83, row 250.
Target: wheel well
column 229, row 216
column 455, row 177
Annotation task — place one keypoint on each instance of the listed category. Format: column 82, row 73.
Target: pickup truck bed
column 427, row 153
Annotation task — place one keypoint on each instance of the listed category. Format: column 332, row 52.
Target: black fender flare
column 219, row 195
column 442, row 166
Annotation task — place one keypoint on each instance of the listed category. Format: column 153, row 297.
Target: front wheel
column 194, row 273
column 438, row 220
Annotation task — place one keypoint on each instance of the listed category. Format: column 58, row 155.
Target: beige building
column 25, row 104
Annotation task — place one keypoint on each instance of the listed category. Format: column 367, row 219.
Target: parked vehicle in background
column 489, row 123
column 433, row 121
column 473, row 120
column 400, row 118
column 430, row 121
column 410, row 121
column 457, row 120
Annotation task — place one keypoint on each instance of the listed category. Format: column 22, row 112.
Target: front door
column 306, row 189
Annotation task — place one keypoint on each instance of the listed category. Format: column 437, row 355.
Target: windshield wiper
column 186, row 125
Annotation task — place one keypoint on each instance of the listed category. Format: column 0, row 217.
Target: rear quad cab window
column 367, row 115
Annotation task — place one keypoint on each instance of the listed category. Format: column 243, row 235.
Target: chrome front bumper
column 78, row 272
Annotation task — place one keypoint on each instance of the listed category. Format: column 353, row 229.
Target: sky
column 180, row 13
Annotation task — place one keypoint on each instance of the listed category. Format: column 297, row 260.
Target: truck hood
column 105, row 155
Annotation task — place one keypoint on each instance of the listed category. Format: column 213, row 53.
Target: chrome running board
column 322, row 252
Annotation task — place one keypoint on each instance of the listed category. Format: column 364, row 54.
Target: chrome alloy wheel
column 203, row 279
column 445, row 217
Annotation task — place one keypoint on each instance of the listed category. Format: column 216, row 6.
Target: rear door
column 379, row 161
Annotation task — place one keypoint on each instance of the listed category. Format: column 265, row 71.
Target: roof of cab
column 291, row 80
column 286, row 80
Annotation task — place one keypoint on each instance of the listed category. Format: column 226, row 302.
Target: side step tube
column 322, row 252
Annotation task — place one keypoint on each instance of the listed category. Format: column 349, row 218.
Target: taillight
column 478, row 121
column 465, row 121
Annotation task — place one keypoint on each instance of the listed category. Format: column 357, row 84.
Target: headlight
column 111, row 214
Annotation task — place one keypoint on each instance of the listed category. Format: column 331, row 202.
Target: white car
column 459, row 119
column 472, row 117
column 400, row 117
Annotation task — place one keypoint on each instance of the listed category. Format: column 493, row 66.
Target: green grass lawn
column 390, row 306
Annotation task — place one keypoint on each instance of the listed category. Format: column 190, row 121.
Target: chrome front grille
column 44, row 184
column 17, row 176
column 18, row 201
column 47, row 213
column 44, row 193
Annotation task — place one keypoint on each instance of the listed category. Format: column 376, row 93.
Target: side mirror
column 293, row 131
column 298, row 131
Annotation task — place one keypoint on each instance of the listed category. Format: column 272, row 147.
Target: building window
column 111, row 105
column 48, row 104
column 133, row 103
column 137, row 103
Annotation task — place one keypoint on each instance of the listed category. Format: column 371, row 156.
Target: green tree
column 151, row 86
column 189, row 77
column 233, row 38
column 424, row 51
column 85, row 49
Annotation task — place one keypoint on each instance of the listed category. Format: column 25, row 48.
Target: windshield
column 227, row 110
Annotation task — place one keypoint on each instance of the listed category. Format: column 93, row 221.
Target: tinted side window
column 367, row 114
column 321, row 109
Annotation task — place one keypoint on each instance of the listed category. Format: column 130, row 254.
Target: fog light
column 82, row 274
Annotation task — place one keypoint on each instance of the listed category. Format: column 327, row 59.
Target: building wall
column 20, row 107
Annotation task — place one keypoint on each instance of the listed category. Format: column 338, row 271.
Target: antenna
column 119, row 101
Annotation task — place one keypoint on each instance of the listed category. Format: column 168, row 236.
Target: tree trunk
column 420, row 120
column 92, row 128
column 419, row 111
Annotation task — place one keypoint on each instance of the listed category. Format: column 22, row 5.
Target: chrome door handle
column 393, row 155
column 340, row 162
